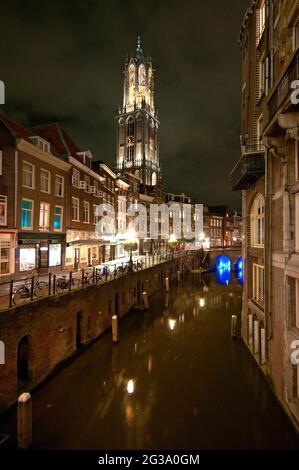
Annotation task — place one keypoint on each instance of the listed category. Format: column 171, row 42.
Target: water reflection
column 223, row 276
column 175, row 380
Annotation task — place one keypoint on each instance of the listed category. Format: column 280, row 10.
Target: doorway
column 89, row 257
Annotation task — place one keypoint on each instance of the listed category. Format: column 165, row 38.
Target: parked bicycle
column 64, row 283
column 31, row 288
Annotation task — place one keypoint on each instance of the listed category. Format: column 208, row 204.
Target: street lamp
column 130, row 245
column 172, row 243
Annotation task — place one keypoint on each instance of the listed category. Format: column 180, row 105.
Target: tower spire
column 139, row 52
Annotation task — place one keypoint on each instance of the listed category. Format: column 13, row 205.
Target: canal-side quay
column 40, row 335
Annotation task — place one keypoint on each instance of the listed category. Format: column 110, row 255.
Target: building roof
column 57, row 137
column 16, row 129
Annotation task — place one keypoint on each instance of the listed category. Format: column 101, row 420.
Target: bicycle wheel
column 21, row 296
column 41, row 289
column 60, row 286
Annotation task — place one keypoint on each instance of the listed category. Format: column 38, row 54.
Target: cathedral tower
column 137, row 123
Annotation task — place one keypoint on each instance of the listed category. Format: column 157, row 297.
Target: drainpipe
column 268, row 244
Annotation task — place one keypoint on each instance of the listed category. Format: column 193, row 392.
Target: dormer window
column 40, row 143
column 85, row 157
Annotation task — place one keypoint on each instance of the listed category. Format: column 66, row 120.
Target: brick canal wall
column 41, row 334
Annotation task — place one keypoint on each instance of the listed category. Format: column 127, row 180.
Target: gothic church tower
column 137, row 123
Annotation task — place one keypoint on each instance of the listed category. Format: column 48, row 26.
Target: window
column 95, row 218
column 41, row 143
column 85, row 212
column 75, row 209
column 45, row 178
column 58, row 218
column 76, row 178
column 87, row 181
column 258, row 284
column 296, row 36
column 259, row 127
column 44, row 215
column 257, row 220
column 54, row 255
column 261, row 20
column 297, row 221
column 293, row 299
column 28, row 175
column 4, row 257
column 296, row 160
column 27, row 214
column 59, row 186
column 262, row 67
column 3, row 210
column 27, row 259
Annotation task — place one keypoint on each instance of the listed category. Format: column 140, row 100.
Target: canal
column 176, row 380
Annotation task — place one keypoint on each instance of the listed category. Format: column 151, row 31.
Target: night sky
column 63, row 61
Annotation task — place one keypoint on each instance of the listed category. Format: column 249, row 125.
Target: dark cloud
column 63, row 61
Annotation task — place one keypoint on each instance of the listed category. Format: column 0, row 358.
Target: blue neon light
column 223, row 262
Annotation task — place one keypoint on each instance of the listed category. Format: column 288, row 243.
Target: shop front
column 7, row 254
column 43, row 254
column 83, row 250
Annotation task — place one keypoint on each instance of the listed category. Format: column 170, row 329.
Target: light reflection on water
column 175, row 380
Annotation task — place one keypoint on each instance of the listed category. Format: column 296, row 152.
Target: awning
column 94, row 241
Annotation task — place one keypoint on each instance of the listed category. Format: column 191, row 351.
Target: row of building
column 267, row 173
column 50, row 190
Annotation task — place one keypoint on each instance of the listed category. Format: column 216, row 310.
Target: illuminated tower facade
column 137, row 123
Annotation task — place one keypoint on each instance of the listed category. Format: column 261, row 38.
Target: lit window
column 3, row 210
column 45, row 178
column 54, row 255
column 59, row 186
column 85, row 212
column 58, row 213
column 5, row 247
column 258, row 284
column 27, row 259
column 75, row 209
column 44, row 216
column 27, row 214
column 261, row 20
column 28, row 175
column 257, row 220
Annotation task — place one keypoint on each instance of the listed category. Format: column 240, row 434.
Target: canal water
column 176, row 380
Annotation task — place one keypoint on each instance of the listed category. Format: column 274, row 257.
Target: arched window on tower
column 131, row 87
column 154, row 179
column 130, row 139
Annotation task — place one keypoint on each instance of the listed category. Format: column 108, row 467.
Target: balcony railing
column 283, row 89
column 249, row 168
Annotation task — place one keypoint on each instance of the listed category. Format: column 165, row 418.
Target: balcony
column 249, row 168
column 282, row 92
